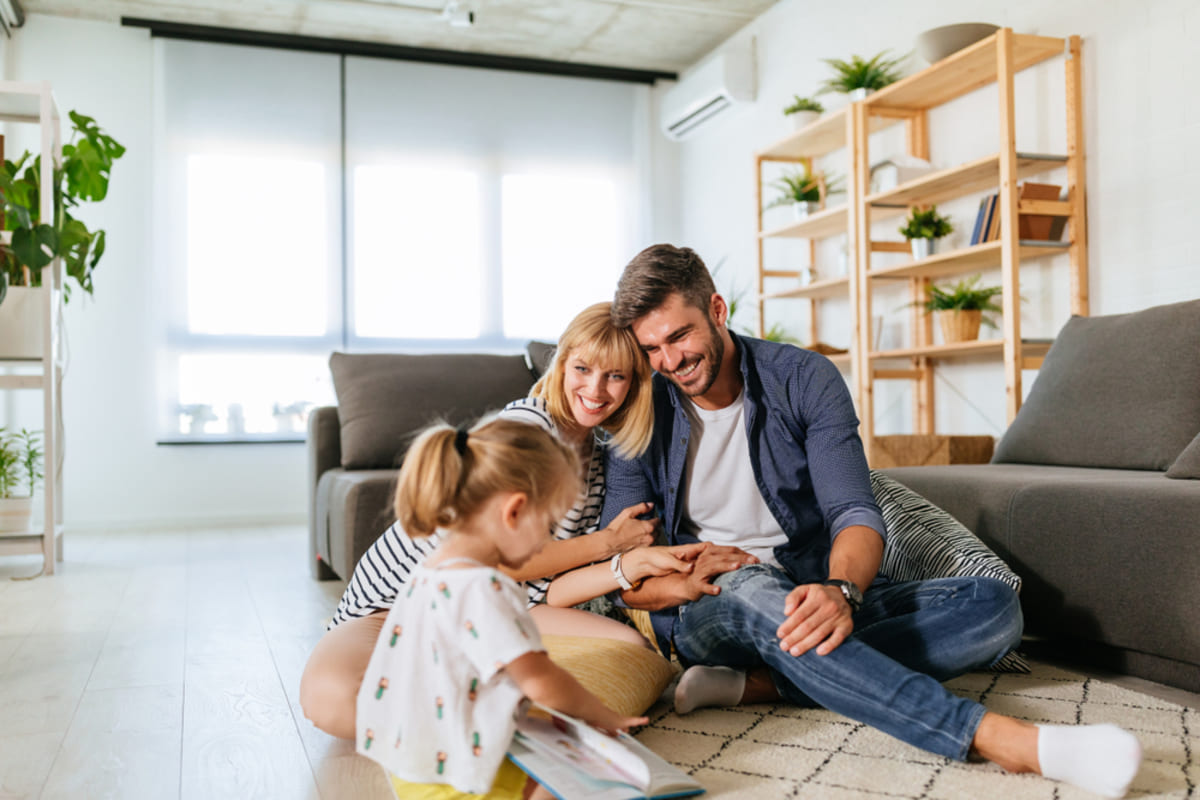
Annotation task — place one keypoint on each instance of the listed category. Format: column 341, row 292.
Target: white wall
column 1142, row 136
column 114, row 472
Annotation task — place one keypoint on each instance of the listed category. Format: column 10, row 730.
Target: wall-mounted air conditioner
column 717, row 85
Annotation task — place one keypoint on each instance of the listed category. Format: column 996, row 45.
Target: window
column 314, row 202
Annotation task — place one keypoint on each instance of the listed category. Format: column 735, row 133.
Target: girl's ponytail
column 448, row 474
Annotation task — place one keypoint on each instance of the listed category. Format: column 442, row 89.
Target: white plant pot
column 802, row 210
column 16, row 516
column 860, row 93
column 22, row 318
column 922, row 248
column 802, row 119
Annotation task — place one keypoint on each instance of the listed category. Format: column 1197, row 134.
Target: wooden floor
column 166, row 664
column 158, row 665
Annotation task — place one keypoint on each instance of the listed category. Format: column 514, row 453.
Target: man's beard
column 712, row 357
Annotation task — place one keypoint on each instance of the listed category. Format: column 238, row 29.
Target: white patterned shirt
column 436, row 705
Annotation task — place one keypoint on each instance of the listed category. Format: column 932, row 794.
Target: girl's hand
column 613, row 722
column 653, row 562
column 626, row 531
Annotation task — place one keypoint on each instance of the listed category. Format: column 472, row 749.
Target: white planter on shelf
column 22, row 320
column 16, row 516
column 802, row 210
column 802, row 119
column 860, row 93
column 922, row 248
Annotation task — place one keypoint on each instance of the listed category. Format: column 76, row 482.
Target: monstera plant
column 82, row 176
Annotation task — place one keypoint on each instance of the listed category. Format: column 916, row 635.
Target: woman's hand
column 626, row 531
column 652, row 562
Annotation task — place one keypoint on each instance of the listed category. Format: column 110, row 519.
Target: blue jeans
column 907, row 637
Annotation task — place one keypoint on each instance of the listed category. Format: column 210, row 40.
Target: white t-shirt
column 722, row 502
column 436, row 705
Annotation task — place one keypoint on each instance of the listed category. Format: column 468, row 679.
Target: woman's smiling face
column 594, row 391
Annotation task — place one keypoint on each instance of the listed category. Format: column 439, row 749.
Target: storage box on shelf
column 993, row 60
column 40, row 368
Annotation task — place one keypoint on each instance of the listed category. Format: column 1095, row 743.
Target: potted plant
column 858, row 77
column 20, row 467
column 804, row 191
column 923, row 228
column 960, row 308
column 82, row 176
column 804, row 111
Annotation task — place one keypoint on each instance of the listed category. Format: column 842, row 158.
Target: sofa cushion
column 1114, row 391
column 1188, row 463
column 538, row 356
column 925, row 542
column 384, row 398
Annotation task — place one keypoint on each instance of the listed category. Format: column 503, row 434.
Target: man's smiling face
column 683, row 343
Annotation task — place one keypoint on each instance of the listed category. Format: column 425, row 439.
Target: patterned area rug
column 765, row 752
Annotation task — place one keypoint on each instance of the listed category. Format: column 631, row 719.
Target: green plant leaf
column 29, row 245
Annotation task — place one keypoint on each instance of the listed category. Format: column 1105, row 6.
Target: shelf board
column 819, row 138
column 21, row 101
column 829, row 222
column 969, row 69
column 826, row 287
column 967, row 259
column 946, row 184
column 979, row 347
column 842, row 360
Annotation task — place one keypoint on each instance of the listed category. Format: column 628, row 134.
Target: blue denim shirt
column 805, row 451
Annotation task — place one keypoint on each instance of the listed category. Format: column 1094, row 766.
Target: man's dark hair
column 654, row 275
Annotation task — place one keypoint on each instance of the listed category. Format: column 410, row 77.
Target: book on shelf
column 993, row 229
column 574, row 761
column 979, row 216
column 1039, row 226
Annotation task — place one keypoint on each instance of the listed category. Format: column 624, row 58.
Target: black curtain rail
column 428, row 55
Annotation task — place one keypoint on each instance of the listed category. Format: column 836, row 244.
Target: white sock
column 1099, row 758
column 701, row 687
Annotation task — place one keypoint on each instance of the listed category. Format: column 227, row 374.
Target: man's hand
column 626, row 531
column 817, row 616
column 713, row 561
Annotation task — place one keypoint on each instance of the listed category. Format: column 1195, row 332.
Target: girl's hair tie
column 460, row 441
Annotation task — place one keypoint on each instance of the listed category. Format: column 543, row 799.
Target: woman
column 595, row 395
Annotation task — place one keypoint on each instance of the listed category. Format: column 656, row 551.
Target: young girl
column 459, row 650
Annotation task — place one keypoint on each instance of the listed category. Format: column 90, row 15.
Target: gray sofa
column 1093, row 494
column 355, row 449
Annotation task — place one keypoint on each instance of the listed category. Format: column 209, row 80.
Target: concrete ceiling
column 657, row 35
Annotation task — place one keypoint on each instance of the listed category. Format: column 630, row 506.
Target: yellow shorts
column 509, row 785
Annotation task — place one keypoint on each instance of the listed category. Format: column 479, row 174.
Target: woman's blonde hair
column 449, row 473
column 593, row 337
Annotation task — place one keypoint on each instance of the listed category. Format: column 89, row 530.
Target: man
column 756, row 450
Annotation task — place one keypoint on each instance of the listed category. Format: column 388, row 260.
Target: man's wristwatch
column 853, row 596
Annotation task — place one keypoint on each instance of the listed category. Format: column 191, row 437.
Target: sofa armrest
column 324, row 453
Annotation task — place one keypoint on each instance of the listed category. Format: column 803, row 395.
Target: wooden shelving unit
column 34, row 103
column 994, row 60
column 829, row 134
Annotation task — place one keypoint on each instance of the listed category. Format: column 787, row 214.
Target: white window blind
column 313, row 202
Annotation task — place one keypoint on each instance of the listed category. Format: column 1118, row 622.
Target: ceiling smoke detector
column 458, row 17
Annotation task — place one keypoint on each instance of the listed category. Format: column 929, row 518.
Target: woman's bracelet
column 622, row 581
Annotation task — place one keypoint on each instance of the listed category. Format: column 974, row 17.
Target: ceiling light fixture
column 458, row 17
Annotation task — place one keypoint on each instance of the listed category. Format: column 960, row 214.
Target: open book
column 575, row 761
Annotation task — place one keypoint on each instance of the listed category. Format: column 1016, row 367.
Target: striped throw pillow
column 925, row 542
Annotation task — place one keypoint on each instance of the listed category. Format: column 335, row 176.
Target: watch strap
column 615, row 566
